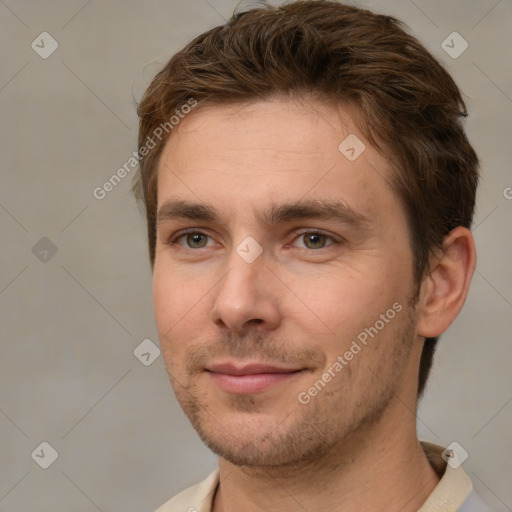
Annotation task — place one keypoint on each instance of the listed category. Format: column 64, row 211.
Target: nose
column 246, row 297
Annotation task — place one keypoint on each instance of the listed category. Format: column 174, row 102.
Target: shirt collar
column 454, row 486
column 451, row 491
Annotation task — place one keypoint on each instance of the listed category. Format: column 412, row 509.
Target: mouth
column 250, row 378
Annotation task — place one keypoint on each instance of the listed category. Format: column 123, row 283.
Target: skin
column 354, row 445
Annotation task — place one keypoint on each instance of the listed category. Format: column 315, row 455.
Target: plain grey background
column 75, row 280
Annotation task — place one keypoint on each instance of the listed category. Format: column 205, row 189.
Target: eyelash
column 174, row 239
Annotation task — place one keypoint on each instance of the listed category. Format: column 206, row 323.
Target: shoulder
column 197, row 498
column 455, row 489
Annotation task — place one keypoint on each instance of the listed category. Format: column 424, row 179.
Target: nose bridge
column 241, row 295
column 246, row 260
column 243, row 280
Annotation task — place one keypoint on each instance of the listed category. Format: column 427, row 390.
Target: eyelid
column 297, row 234
column 173, row 239
column 316, row 231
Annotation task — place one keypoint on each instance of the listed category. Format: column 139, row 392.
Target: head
column 261, row 105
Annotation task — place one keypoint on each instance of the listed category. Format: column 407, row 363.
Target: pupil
column 315, row 239
column 195, row 240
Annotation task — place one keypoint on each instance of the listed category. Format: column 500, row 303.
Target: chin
column 257, row 440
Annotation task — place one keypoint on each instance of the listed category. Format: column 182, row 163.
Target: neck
column 377, row 468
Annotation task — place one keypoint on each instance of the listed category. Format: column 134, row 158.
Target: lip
column 248, row 369
column 250, row 378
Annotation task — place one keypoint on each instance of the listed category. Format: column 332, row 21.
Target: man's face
column 252, row 309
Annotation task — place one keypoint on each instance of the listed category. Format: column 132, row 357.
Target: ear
column 445, row 288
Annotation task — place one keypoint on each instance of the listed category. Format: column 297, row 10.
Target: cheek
column 181, row 305
column 168, row 310
column 345, row 302
column 163, row 301
column 173, row 305
column 173, row 300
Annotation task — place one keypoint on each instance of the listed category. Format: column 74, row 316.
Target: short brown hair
column 409, row 107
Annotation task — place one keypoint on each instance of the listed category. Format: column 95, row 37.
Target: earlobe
column 445, row 288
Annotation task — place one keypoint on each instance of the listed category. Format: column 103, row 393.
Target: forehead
column 273, row 151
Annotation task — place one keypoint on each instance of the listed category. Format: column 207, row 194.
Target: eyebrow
column 275, row 214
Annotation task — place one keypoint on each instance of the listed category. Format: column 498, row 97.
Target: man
column 308, row 187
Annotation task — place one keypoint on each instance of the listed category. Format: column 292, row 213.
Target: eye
column 314, row 239
column 308, row 240
column 192, row 239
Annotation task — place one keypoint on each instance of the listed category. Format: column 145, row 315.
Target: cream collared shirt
column 453, row 493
